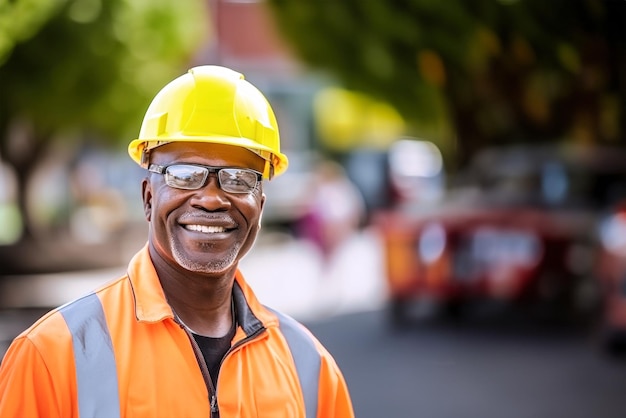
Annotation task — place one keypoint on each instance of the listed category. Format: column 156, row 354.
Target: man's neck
column 203, row 302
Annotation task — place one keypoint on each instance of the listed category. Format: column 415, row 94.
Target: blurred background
column 452, row 224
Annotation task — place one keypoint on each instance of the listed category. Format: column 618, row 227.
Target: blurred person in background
column 182, row 333
column 336, row 209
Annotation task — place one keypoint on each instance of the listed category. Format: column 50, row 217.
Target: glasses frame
column 162, row 169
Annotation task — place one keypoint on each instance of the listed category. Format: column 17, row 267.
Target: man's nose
column 211, row 196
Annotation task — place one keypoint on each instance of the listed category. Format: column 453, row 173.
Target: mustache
column 206, row 216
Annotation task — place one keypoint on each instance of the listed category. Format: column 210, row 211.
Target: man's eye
column 235, row 181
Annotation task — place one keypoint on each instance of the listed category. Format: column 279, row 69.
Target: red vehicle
column 521, row 229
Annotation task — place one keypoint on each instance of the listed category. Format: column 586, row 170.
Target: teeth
column 205, row 229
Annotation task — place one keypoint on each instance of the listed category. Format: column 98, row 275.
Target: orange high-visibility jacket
column 119, row 352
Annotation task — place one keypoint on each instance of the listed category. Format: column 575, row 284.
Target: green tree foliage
column 496, row 70
column 77, row 68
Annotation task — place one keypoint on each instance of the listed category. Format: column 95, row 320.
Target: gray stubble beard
column 208, row 268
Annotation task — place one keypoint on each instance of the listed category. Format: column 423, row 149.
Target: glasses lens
column 189, row 177
column 237, row 180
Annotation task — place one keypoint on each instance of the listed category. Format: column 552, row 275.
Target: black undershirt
column 214, row 349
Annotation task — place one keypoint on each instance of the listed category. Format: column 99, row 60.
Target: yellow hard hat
column 211, row 104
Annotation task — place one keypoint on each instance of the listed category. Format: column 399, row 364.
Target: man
column 182, row 334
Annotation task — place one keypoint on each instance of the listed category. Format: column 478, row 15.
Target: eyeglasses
column 194, row 176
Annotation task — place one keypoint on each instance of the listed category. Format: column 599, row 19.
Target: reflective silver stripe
column 96, row 373
column 307, row 359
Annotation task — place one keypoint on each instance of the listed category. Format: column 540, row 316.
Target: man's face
column 206, row 230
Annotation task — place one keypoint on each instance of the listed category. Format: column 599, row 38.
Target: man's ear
column 146, row 194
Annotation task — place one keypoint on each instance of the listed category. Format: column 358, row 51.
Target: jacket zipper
column 240, row 343
column 204, row 369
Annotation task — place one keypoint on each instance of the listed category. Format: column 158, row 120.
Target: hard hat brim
column 280, row 160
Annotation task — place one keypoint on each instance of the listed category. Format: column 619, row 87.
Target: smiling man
column 182, row 334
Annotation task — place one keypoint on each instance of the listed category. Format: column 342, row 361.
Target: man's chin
column 199, row 263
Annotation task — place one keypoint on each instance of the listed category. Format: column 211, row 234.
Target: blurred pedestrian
column 336, row 209
column 182, row 333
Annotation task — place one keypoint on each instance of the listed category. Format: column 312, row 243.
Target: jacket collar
column 151, row 304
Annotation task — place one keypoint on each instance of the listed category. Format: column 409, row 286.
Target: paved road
column 473, row 369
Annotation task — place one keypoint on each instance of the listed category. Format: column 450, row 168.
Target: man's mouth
column 206, row 229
